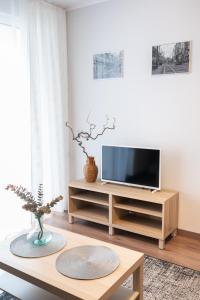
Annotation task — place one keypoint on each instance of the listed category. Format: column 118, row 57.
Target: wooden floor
column 182, row 250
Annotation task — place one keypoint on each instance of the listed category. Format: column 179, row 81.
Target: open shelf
column 91, row 213
column 140, row 224
column 127, row 208
column 92, row 197
column 143, row 207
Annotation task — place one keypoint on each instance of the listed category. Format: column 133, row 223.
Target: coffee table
column 41, row 274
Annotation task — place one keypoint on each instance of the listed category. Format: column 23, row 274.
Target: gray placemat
column 87, row 262
column 23, row 248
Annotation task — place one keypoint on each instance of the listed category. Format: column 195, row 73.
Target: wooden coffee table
column 42, row 276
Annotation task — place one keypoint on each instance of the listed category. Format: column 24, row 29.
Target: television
column 131, row 166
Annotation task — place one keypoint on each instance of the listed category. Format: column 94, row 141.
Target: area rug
column 162, row 281
column 166, row 281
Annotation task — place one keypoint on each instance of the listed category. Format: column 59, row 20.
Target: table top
column 42, row 271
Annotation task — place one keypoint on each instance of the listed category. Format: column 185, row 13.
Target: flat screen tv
column 131, row 166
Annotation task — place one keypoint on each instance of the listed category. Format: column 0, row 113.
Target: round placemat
column 21, row 247
column 87, row 262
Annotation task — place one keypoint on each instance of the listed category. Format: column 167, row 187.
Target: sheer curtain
column 15, row 150
column 48, row 90
column 33, row 105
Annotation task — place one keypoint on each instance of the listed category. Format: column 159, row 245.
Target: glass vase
column 39, row 236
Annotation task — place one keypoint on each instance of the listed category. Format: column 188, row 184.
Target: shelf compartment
column 147, row 208
column 139, row 224
column 95, row 214
column 91, row 197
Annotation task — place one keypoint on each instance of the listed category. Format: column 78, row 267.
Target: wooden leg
column 174, row 234
column 138, row 282
column 111, row 230
column 71, row 219
column 161, row 244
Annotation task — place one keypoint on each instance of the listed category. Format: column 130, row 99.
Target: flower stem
column 40, row 233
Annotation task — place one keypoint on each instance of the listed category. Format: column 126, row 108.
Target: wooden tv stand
column 127, row 208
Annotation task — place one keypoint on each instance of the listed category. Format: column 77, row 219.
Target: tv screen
column 131, row 166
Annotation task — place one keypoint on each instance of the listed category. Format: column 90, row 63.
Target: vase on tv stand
column 90, row 170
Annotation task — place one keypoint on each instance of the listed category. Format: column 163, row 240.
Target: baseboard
column 189, row 234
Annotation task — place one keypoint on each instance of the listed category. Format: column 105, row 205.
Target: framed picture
column 108, row 65
column 171, row 58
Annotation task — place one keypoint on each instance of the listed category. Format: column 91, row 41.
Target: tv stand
column 127, row 208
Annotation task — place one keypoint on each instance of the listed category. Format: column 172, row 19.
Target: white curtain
column 48, row 92
column 33, row 98
column 15, row 150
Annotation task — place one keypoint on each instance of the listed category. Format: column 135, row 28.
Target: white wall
column 160, row 111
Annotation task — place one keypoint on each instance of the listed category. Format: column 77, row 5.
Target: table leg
column 138, row 282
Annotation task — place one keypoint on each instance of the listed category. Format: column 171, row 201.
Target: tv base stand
column 132, row 209
column 154, row 191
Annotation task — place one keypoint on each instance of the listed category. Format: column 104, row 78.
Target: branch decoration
column 90, row 135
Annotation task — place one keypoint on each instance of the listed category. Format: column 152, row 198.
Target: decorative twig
column 85, row 135
column 32, row 205
column 77, row 139
column 92, row 125
column 105, row 127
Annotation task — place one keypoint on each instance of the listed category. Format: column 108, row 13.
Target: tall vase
column 39, row 236
column 90, row 170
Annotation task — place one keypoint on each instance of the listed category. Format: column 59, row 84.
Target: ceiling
column 74, row 4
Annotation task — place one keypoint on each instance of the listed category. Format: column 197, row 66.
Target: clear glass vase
column 39, row 236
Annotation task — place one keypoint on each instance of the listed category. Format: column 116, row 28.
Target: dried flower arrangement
column 38, row 235
column 32, row 205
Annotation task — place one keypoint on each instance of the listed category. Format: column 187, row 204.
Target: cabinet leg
column 174, row 233
column 161, row 244
column 111, row 230
column 71, row 219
